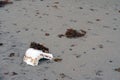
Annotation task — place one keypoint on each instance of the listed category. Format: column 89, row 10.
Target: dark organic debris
column 6, row 73
column 57, row 59
column 100, row 46
column 114, row 28
column 80, row 7
column 93, row 48
column 56, row 2
column 1, row 44
column 61, row 35
column 47, row 34
column 72, row 33
column 84, row 52
column 97, row 19
column 99, row 73
column 62, row 75
column 26, row 29
column 14, row 73
column 17, row 0
column 55, row 6
column 13, row 45
column 70, row 49
column 5, row 2
column 73, row 45
column 78, row 56
column 12, row 55
column 11, row 73
column 110, row 61
column 117, row 69
column 39, row 47
column 18, row 31
column 119, row 11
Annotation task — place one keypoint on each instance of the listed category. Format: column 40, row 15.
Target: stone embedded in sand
column 72, row 33
column 39, row 47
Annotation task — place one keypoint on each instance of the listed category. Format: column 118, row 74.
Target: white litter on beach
column 32, row 56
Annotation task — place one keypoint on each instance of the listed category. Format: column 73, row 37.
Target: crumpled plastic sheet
column 32, row 56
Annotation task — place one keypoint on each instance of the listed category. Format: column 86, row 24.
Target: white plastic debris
column 32, row 56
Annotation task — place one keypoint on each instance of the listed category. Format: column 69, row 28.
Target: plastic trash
column 32, row 56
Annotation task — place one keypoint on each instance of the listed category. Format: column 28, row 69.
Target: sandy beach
column 94, row 56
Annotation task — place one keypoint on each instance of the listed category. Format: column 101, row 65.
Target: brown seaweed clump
column 12, row 54
column 57, row 59
column 39, row 47
column 117, row 69
column 72, row 33
column 5, row 2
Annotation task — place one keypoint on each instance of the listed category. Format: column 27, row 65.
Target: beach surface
column 95, row 56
